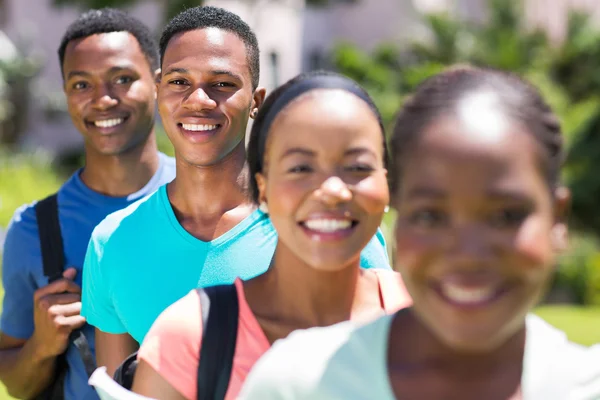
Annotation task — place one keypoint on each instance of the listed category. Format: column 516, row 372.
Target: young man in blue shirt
column 108, row 62
column 201, row 229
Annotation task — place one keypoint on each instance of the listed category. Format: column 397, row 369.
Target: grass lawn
column 582, row 324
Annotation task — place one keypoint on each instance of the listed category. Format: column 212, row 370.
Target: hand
column 56, row 314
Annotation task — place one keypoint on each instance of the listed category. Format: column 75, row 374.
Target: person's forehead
column 108, row 41
column 203, row 42
column 335, row 116
column 102, row 50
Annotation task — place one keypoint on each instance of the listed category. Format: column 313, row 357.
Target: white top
column 347, row 361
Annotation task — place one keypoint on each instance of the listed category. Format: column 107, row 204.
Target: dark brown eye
column 428, row 218
column 509, row 217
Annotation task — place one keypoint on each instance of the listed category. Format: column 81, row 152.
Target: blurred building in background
column 292, row 36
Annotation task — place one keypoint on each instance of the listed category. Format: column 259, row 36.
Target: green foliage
column 566, row 74
column 24, row 178
column 163, row 142
column 579, row 270
column 15, row 75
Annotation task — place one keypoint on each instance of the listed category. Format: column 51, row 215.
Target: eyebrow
column 426, row 192
column 359, row 150
column 504, row 194
column 228, row 73
column 297, row 150
column 176, row 70
column 117, row 68
column 493, row 194
column 76, row 73
column 213, row 73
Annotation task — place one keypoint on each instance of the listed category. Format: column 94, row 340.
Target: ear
column 261, row 183
column 157, row 77
column 560, row 231
column 257, row 100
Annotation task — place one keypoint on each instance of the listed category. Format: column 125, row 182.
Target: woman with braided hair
column 476, row 156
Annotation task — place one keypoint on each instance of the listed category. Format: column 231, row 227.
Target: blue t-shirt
column 80, row 210
column 140, row 260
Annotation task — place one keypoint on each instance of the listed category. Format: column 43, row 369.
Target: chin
column 476, row 341
column 328, row 264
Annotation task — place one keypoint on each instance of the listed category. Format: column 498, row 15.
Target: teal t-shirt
column 140, row 260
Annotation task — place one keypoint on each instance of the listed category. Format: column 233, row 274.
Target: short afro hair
column 108, row 20
column 214, row 17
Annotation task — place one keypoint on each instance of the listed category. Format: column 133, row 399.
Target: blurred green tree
column 566, row 73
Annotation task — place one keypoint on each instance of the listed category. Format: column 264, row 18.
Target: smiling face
column 110, row 91
column 324, row 181
column 205, row 94
column 477, row 226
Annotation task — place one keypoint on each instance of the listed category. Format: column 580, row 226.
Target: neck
column 301, row 297
column 414, row 346
column 198, row 192
column 123, row 174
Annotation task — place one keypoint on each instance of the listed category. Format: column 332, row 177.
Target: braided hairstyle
column 441, row 94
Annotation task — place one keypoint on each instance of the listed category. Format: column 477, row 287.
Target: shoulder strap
column 220, row 310
column 51, row 242
column 53, row 261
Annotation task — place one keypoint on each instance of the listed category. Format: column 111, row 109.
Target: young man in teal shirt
column 201, row 229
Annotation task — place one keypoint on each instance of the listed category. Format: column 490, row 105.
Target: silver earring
column 386, row 209
column 263, row 207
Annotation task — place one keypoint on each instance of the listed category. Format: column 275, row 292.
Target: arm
column 113, row 343
column 113, row 349
column 169, row 356
column 148, row 382
column 27, row 366
column 35, row 323
column 23, row 371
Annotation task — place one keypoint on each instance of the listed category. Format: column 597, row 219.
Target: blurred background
column 388, row 46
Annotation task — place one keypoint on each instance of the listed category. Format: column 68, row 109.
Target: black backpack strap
column 220, row 310
column 126, row 371
column 53, row 261
column 51, row 243
column 83, row 347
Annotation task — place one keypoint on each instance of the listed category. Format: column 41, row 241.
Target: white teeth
column 327, row 225
column 196, row 128
column 463, row 295
column 108, row 123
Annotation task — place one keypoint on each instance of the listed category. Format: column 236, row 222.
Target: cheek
column 372, row 193
column 166, row 108
column 76, row 106
column 285, row 196
column 413, row 251
column 142, row 93
column 237, row 106
column 533, row 242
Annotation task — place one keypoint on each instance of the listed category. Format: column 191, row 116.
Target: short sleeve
column 96, row 300
column 278, row 375
column 18, row 261
column 172, row 346
column 375, row 255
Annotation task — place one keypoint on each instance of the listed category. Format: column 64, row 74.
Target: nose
column 470, row 245
column 334, row 191
column 199, row 100
column 104, row 99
